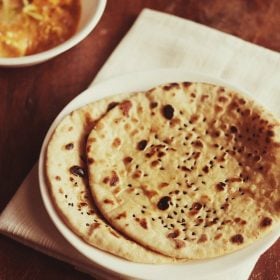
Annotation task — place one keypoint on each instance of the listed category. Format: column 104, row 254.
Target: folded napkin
column 156, row 40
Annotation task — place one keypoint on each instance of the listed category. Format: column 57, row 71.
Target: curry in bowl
column 32, row 26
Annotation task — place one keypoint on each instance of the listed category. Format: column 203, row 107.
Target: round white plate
column 207, row 269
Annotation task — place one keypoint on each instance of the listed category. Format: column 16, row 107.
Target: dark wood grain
column 31, row 98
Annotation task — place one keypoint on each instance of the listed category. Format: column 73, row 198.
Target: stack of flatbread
column 182, row 171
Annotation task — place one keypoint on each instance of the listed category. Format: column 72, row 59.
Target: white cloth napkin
column 156, row 40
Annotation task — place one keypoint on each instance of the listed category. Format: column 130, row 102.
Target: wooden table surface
column 31, row 98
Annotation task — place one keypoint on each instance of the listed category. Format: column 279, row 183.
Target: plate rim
column 144, row 80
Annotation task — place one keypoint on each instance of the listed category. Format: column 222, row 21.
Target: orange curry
column 32, row 26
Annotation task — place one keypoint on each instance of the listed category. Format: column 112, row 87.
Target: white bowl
column 91, row 13
column 216, row 268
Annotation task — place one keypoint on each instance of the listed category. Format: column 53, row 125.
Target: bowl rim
column 66, row 45
column 212, row 267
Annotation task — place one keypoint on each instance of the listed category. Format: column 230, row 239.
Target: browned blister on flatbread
column 190, row 170
column 66, row 172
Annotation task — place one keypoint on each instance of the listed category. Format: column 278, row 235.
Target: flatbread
column 68, row 185
column 190, row 170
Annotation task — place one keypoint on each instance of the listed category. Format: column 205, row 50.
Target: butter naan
column 190, row 170
column 66, row 172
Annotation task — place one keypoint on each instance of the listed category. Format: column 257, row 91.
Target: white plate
column 207, row 269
